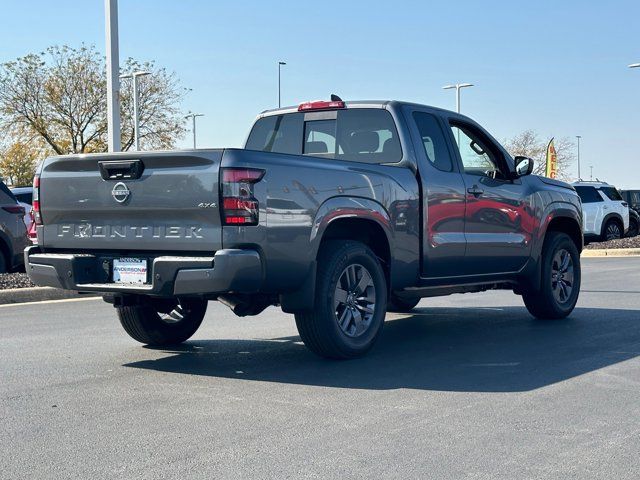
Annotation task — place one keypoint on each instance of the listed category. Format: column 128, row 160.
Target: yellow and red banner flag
column 552, row 161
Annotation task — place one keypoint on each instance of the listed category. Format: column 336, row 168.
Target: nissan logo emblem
column 120, row 192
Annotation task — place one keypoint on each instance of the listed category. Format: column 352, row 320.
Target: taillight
column 239, row 206
column 37, row 218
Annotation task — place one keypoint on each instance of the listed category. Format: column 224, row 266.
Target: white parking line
column 50, row 301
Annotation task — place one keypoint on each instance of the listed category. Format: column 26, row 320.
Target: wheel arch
column 612, row 216
column 565, row 220
column 347, row 218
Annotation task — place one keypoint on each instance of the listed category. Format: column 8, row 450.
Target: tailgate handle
column 121, row 169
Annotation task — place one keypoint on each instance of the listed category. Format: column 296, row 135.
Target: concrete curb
column 37, row 294
column 612, row 252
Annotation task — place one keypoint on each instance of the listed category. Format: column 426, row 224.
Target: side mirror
column 524, row 166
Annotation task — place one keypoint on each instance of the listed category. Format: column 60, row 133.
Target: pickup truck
column 336, row 211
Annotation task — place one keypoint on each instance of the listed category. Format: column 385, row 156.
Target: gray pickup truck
column 336, row 211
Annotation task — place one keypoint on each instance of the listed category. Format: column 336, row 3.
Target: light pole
column 193, row 116
column 457, row 86
column 634, row 65
column 578, row 137
column 136, row 120
column 113, row 69
column 280, row 64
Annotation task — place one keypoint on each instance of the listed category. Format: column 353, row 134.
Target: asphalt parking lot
column 469, row 386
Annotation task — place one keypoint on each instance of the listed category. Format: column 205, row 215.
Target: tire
column 560, row 279
column 612, row 230
column 401, row 305
column 3, row 263
column 634, row 228
column 163, row 321
column 332, row 328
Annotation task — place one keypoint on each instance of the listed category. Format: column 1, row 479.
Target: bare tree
column 529, row 144
column 60, row 95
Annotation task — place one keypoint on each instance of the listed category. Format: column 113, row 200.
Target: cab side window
column 475, row 153
column 433, row 141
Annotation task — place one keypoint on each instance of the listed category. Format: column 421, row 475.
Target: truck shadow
column 447, row 349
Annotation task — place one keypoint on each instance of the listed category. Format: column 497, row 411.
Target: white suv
column 604, row 211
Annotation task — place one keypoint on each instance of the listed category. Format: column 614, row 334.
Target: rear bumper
column 238, row 271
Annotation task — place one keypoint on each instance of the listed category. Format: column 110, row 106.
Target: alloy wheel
column 354, row 300
column 562, row 276
column 613, row 231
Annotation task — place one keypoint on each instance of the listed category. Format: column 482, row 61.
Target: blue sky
column 558, row 67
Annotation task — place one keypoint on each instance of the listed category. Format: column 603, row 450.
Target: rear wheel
column 401, row 305
column 163, row 321
column 612, row 230
column 350, row 302
column 560, row 282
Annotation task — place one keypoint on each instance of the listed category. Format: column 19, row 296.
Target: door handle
column 475, row 191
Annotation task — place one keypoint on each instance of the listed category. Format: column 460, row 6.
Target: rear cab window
column 367, row 135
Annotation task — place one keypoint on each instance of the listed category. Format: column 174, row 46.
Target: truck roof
column 365, row 104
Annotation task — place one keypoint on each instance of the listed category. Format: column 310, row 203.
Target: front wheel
column 350, row 302
column 159, row 322
column 559, row 287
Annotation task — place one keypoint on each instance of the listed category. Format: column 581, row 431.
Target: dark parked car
column 632, row 197
column 13, row 232
column 335, row 211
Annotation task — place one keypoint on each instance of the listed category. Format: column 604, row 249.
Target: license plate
column 129, row 270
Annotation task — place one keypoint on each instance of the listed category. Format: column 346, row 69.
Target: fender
column 531, row 272
column 349, row 207
column 553, row 211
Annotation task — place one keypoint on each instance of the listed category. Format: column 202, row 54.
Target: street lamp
column 136, row 121
column 280, row 64
column 634, row 65
column 579, row 137
column 193, row 116
column 458, row 86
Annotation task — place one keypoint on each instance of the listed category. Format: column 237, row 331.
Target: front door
column 443, row 197
column 499, row 219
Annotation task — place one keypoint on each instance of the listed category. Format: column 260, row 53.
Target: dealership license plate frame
column 130, row 271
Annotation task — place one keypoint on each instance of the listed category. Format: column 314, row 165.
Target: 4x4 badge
column 120, row 192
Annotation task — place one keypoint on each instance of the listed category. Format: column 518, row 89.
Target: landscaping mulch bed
column 14, row 280
column 633, row 242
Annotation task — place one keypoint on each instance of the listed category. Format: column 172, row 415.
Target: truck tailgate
column 132, row 201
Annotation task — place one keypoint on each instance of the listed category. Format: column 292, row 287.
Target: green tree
column 18, row 163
